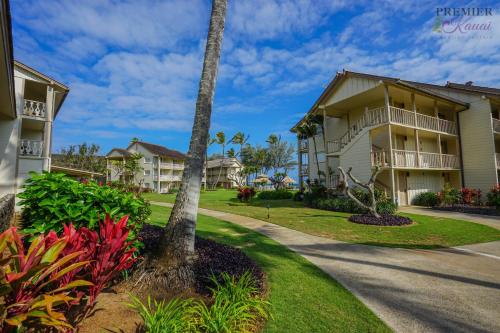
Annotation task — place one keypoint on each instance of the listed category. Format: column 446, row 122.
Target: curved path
column 448, row 290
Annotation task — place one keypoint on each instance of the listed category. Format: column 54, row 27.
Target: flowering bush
column 449, row 195
column 245, row 193
column 494, row 197
column 470, row 196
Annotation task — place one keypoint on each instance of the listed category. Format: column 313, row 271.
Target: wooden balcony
column 35, row 109
column 303, row 145
column 32, row 148
column 413, row 160
column 394, row 115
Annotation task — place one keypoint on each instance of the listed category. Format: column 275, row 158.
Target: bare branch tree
column 369, row 186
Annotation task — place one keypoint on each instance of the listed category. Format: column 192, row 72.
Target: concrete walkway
column 492, row 221
column 449, row 290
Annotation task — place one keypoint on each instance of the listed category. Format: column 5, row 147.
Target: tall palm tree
column 309, row 129
column 220, row 139
column 176, row 252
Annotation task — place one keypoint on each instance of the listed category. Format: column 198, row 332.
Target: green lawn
column 427, row 232
column 304, row 298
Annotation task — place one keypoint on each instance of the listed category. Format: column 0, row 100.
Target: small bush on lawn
column 49, row 200
column 245, row 193
column 275, row 195
column 493, row 197
column 426, row 199
column 298, row 196
column 236, row 307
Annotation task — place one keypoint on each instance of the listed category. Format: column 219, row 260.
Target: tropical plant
column 309, row 129
column 426, row 199
column 280, row 154
column 450, row 195
column 493, row 197
column 33, row 287
column 220, row 139
column 176, row 251
column 49, row 200
column 236, row 306
column 278, row 180
column 470, row 196
column 128, row 168
column 162, row 317
column 245, row 193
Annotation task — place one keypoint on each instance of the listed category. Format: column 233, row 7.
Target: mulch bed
column 212, row 259
column 490, row 211
column 383, row 220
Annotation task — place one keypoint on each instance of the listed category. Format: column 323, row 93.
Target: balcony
column 170, row 178
column 496, row 125
column 34, row 109
column 398, row 116
column 171, row 166
column 413, row 160
column 32, row 148
column 305, row 170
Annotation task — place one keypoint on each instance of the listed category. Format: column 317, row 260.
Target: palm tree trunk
column 176, row 250
column 316, row 157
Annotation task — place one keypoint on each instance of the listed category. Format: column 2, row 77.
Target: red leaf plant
column 107, row 252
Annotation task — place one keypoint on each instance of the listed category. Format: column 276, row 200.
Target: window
column 146, row 185
column 147, row 172
column 147, row 159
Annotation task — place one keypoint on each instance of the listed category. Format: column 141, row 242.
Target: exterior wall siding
column 351, row 87
column 358, row 157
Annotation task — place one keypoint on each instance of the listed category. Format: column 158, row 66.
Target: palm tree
column 220, row 139
column 176, row 252
column 309, row 129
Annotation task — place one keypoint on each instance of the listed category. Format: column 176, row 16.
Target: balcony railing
column 34, row 108
column 498, row 160
column 395, row 115
column 414, row 160
column 31, row 148
column 305, row 169
column 496, row 125
column 173, row 166
column 171, row 178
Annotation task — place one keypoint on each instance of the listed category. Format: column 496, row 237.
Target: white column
column 47, row 131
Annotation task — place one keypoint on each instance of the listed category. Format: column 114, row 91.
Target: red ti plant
column 30, row 282
column 112, row 256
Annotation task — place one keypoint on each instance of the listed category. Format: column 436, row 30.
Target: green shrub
column 275, row 195
column 236, row 308
column 164, row 317
column 298, row 196
column 493, row 197
column 426, row 199
column 386, row 207
column 450, row 195
column 51, row 199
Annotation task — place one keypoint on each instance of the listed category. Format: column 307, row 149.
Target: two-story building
column 421, row 135
column 224, row 172
column 29, row 104
column 160, row 168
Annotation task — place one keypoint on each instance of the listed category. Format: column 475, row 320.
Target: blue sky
column 133, row 66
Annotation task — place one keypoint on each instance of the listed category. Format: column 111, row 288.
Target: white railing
column 408, row 159
column 402, row 116
column 172, row 178
column 173, row 166
column 31, row 148
column 379, row 158
column 404, row 158
column 496, row 125
column 396, row 115
column 34, row 108
column 498, row 160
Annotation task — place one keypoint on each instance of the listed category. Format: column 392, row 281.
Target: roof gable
column 160, row 150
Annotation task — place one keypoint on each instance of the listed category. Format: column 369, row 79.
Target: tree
column 176, row 252
column 220, row 139
column 309, row 129
column 369, row 186
column 83, row 156
column 280, row 154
